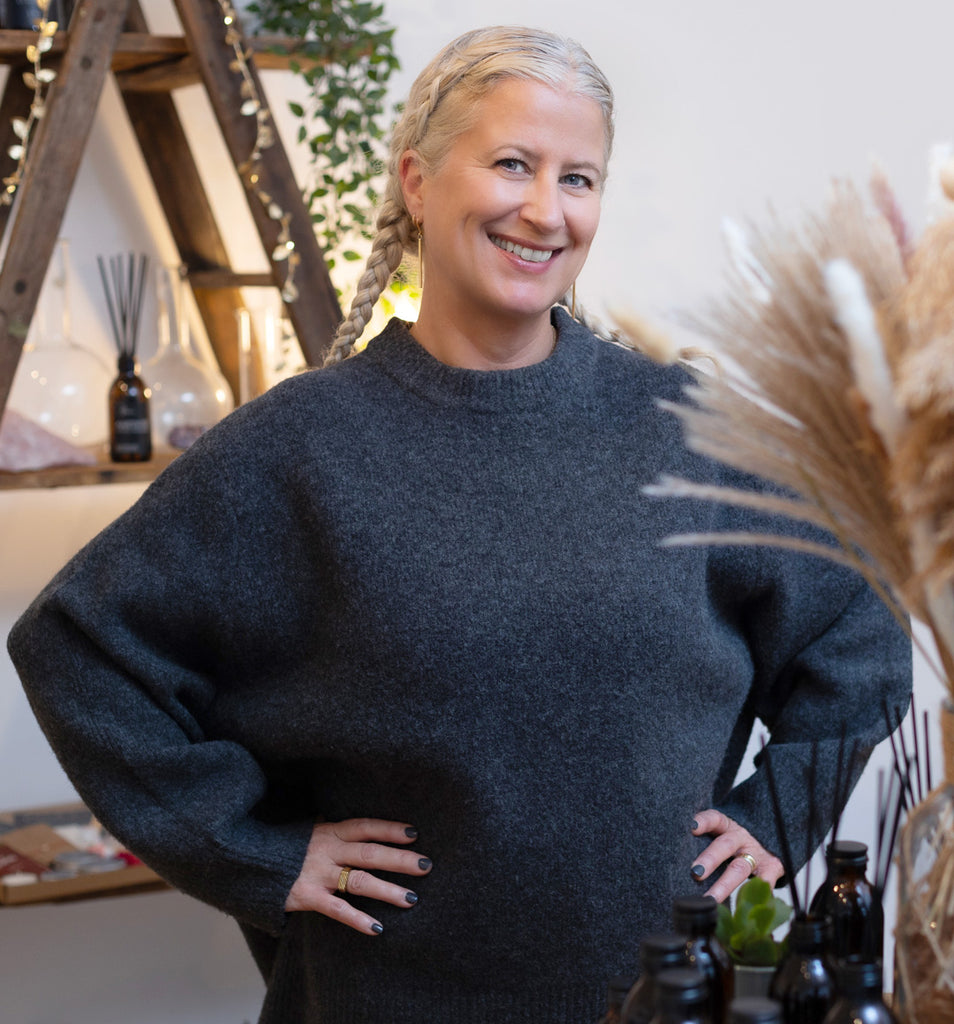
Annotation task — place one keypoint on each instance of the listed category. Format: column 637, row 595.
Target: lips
column 522, row 251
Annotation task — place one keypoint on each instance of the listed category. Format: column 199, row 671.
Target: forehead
column 534, row 115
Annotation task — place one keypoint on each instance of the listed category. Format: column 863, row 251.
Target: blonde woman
column 390, row 665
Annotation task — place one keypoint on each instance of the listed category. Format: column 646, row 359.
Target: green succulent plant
column 747, row 931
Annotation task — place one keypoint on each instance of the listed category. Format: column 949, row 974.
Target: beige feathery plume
column 825, row 391
column 641, row 335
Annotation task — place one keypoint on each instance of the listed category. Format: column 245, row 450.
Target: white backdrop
column 723, row 109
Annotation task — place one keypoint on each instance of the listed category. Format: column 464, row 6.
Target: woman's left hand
column 733, row 846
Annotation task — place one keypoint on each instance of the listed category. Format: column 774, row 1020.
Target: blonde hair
column 441, row 106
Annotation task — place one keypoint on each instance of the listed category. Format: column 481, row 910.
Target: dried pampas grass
column 836, row 348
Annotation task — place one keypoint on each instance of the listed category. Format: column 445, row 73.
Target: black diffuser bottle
column 130, row 434
column 804, row 983
column 696, row 918
column 657, row 952
column 847, row 898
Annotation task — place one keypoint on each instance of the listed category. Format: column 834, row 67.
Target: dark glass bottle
column 804, row 983
column 696, row 918
column 846, row 896
column 616, row 992
column 682, row 997
column 130, row 439
column 758, row 1010
column 657, row 952
column 860, row 999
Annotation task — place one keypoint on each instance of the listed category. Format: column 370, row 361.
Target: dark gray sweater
column 403, row 590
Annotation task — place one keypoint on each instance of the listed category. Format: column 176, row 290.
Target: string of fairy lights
column 253, row 105
column 39, row 79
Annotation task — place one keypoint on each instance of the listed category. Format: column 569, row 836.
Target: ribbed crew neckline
column 562, row 375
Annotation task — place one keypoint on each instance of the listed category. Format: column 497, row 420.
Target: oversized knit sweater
column 403, row 590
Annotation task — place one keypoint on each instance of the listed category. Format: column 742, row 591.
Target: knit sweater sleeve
column 123, row 657
column 828, row 658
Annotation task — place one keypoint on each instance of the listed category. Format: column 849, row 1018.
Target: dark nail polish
column 411, row 897
column 698, row 871
column 695, row 824
column 411, row 833
column 377, row 928
column 424, row 864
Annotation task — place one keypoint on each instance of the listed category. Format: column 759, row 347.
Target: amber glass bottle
column 804, row 983
column 859, row 995
column 846, row 896
column 696, row 918
column 657, row 952
column 615, row 994
column 130, row 439
column 682, row 997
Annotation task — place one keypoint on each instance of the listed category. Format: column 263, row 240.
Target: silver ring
column 750, row 860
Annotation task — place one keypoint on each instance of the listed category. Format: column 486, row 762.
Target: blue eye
column 512, row 163
column 578, row 181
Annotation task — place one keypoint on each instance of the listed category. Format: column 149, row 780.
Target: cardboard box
column 31, row 833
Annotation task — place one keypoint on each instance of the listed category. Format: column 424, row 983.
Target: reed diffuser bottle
column 130, row 435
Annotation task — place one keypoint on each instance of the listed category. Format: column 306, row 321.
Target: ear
column 411, row 173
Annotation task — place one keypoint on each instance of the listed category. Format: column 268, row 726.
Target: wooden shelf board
column 81, row 476
column 139, row 51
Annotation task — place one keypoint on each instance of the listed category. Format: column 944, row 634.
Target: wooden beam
column 316, row 313
column 182, row 195
column 53, row 161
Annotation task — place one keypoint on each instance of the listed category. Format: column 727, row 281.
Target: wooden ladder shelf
column 111, row 36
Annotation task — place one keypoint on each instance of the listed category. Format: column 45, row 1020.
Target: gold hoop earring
column 420, row 253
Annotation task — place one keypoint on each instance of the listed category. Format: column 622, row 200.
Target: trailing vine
column 344, row 52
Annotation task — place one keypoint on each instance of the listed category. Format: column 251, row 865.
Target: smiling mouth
column 530, row 255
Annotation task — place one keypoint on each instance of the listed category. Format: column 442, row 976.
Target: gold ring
column 750, row 860
column 342, row 885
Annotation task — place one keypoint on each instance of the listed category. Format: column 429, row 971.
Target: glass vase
column 188, row 394
column 60, row 384
column 924, row 934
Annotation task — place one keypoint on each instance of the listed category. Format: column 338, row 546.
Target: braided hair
column 442, row 105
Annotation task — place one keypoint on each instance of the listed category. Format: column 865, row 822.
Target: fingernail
column 698, row 871
column 411, row 897
column 411, row 833
column 377, row 928
column 695, row 824
column 424, row 864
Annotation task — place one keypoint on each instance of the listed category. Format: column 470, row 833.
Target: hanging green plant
column 344, row 51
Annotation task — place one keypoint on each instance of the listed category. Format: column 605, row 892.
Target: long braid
column 391, row 242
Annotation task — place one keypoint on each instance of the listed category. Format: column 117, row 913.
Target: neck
column 485, row 346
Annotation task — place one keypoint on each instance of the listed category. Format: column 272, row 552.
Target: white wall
column 722, row 108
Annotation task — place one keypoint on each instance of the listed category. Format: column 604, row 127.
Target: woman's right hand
column 356, row 844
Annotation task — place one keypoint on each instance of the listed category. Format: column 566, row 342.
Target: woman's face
column 509, row 215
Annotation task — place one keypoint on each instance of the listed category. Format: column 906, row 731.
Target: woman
column 390, row 665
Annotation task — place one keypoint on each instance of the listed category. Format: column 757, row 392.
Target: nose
column 543, row 204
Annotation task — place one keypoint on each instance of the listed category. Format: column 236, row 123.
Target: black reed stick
column 901, row 772
column 917, row 749
column 786, row 851
column 124, row 288
column 927, row 755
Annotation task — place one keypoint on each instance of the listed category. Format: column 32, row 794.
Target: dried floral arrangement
column 834, row 353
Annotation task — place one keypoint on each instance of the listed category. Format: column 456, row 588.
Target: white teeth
column 531, row 255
